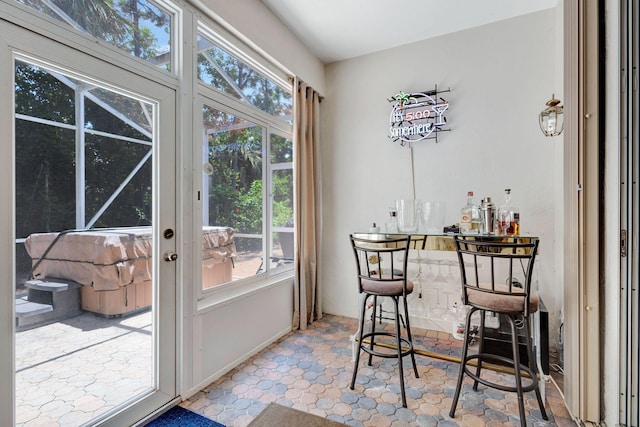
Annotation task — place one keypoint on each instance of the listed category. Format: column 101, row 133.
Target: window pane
column 109, row 162
column 281, row 151
column 115, row 144
column 33, row 89
column 138, row 27
column 45, row 178
column 228, row 74
column 82, row 152
column 132, row 112
column 233, row 189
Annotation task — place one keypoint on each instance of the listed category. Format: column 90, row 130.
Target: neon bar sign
column 417, row 116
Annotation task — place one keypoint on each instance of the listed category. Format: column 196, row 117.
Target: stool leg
column 533, row 366
column 463, row 363
column 408, row 327
column 480, row 347
column 373, row 327
column 360, row 333
column 399, row 345
column 516, row 369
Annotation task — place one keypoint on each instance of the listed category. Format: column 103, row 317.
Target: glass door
column 93, row 242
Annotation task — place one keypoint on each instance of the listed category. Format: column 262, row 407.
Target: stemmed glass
column 440, row 277
column 437, row 310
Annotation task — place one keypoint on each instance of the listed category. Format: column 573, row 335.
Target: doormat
column 282, row 416
column 178, row 416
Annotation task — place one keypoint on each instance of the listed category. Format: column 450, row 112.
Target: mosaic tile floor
column 311, row 371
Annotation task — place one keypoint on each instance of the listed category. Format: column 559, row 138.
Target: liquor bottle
column 470, row 217
column 508, row 217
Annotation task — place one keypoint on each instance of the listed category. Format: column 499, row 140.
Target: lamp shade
column 551, row 119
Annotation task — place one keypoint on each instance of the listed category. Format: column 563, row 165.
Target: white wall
column 226, row 334
column 500, row 76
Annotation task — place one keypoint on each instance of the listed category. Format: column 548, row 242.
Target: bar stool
column 505, row 289
column 382, row 272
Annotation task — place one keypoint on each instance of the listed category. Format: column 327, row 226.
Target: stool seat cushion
column 503, row 303
column 386, row 287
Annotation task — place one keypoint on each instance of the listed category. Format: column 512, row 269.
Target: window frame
column 44, row 25
column 224, row 291
column 212, row 97
column 70, row 36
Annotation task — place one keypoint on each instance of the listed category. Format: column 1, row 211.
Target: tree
column 131, row 25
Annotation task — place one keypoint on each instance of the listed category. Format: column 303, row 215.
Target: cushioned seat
column 386, row 288
column 501, row 300
column 496, row 277
column 382, row 272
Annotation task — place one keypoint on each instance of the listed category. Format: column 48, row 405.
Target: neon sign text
column 417, row 116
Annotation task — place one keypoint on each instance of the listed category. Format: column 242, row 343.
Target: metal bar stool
column 382, row 272
column 505, row 290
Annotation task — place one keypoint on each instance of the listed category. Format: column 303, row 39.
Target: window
column 245, row 148
column 139, row 27
column 247, row 185
column 233, row 76
column 240, row 190
column 233, row 189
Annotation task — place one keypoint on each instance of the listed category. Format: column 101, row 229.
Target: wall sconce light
column 552, row 118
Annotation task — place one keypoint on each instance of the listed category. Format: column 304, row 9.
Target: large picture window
column 240, row 191
column 247, row 155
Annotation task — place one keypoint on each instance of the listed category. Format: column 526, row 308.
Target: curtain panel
column 306, row 131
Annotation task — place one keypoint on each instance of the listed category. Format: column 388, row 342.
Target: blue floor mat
column 178, row 416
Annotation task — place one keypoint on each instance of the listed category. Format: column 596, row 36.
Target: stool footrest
column 486, row 357
column 371, row 337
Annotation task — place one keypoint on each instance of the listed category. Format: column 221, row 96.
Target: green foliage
column 248, row 84
column 237, row 197
column 130, row 25
column 46, row 158
column 45, row 155
column 248, row 213
column 282, row 198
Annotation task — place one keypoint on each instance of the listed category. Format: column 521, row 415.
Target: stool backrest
column 501, row 266
column 382, row 259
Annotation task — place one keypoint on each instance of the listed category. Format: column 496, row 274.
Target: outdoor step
column 46, row 285
column 48, row 300
column 28, row 309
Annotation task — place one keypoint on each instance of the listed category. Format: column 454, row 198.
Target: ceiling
column 334, row 30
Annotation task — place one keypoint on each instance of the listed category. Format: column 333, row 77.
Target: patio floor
column 72, row 371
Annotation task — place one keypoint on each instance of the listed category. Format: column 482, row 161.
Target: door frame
column 583, row 217
column 27, row 44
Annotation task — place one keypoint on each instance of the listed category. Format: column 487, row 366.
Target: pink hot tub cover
column 110, row 258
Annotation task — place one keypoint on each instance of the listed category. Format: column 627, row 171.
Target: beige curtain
column 306, row 125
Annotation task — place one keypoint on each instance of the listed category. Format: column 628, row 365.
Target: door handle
column 170, row 256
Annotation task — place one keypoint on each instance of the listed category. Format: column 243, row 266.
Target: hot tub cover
column 110, row 258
